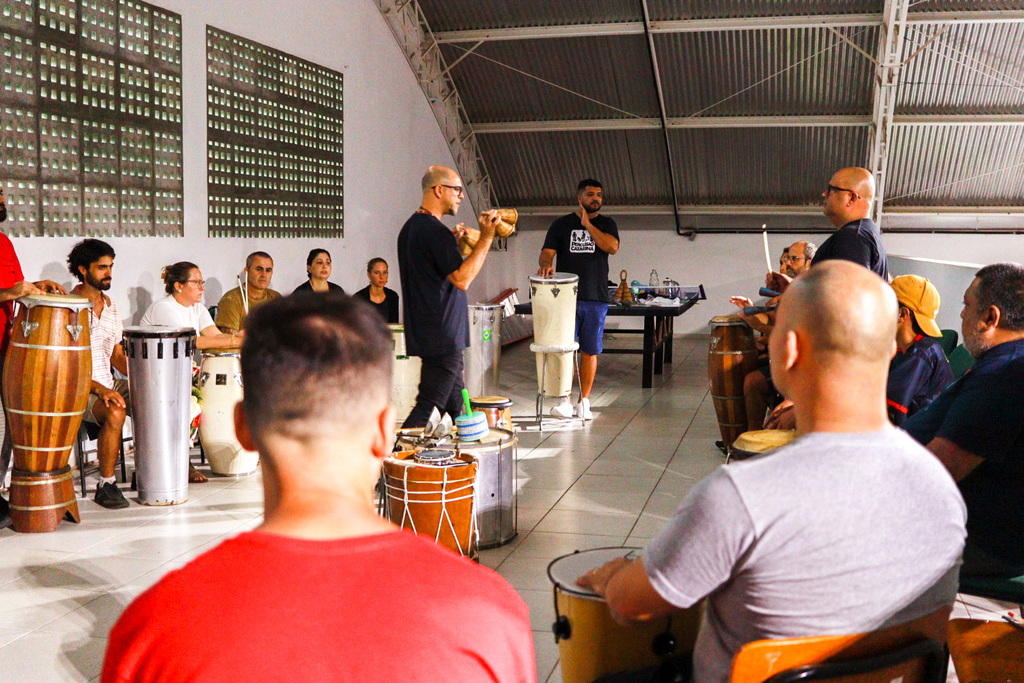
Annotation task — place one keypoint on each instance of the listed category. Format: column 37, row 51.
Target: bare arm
column 212, row 338
column 108, row 396
column 959, row 462
column 19, row 289
column 118, row 360
column 546, row 262
column 628, row 591
column 603, row 240
column 470, row 268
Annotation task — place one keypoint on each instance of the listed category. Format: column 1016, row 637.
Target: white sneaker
column 583, row 409
column 563, row 409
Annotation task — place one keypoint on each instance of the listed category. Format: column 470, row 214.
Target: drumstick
column 245, row 294
column 767, row 254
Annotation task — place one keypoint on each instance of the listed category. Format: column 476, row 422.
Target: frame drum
column 732, row 354
column 591, row 643
column 46, row 383
column 759, row 441
column 220, row 380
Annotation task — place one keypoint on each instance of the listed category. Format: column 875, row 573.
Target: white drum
column 220, row 381
column 405, row 375
column 554, row 308
column 557, row 376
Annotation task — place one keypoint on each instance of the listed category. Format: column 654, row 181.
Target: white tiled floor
column 612, row 482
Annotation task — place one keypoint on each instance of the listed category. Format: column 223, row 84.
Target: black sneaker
column 5, row 514
column 110, row 497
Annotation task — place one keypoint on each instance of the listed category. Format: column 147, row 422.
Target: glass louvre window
column 275, row 142
column 90, row 118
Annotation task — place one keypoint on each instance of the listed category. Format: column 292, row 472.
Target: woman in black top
column 318, row 269
column 383, row 299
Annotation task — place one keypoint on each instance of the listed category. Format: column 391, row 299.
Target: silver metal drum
column 160, row 378
column 482, row 356
column 496, row 481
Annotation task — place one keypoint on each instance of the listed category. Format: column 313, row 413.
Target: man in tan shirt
column 233, row 306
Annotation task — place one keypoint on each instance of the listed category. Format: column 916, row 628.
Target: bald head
column 844, row 311
column 849, row 195
column 437, row 175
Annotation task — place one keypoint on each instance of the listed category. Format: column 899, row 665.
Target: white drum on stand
column 220, row 381
column 554, row 326
column 405, row 375
column 160, row 381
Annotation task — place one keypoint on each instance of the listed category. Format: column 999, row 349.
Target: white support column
column 407, row 23
column 887, row 73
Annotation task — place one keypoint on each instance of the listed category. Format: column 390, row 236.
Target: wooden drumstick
column 767, row 254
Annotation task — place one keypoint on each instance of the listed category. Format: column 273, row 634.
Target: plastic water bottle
column 654, row 281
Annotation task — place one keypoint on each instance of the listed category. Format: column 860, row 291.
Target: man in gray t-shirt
column 851, row 528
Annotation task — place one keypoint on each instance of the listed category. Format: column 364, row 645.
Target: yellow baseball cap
column 920, row 296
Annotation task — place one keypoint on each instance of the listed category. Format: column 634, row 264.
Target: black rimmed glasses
column 457, row 189
column 830, row 188
column 197, row 283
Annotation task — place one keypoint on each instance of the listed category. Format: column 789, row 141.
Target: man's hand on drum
column 782, row 417
column 597, row 579
column 740, row 302
column 19, row 289
column 488, row 223
column 50, row 287
column 545, row 271
column 110, row 397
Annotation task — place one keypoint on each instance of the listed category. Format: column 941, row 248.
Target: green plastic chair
column 960, row 361
column 1006, row 589
column 948, row 341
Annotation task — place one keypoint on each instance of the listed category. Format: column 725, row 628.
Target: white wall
column 391, row 136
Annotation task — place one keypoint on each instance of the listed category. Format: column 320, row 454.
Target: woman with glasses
column 318, row 269
column 183, row 307
column 383, row 299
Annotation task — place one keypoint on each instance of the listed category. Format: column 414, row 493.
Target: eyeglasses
column 197, row 283
column 787, row 257
column 829, row 189
column 457, row 189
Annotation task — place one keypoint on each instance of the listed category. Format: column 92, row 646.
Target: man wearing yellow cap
column 919, row 370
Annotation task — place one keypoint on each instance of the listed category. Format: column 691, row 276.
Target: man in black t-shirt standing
column 582, row 242
column 434, row 283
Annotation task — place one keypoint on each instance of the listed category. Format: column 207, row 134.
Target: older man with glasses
column 434, row 283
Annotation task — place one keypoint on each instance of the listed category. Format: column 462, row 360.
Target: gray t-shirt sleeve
column 703, row 543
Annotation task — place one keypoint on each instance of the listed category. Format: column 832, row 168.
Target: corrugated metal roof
column 969, row 69
column 669, row 10
column 966, row 5
column 542, row 169
column 957, row 166
column 788, row 71
column 762, row 165
column 614, row 70
column 461, row 15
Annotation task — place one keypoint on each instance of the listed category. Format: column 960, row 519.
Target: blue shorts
column 590, row 317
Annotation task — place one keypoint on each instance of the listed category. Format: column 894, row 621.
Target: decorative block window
column 90, row 118
column 275, row 157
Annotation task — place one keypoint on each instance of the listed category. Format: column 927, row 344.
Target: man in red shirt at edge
column 325, row 589
column 12, row 286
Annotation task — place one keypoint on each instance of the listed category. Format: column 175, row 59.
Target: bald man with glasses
column 434, row 282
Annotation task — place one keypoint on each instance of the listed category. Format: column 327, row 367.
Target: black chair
column 89, row 432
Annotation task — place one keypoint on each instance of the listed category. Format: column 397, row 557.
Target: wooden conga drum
column 47, row 377
column 431, row 492
column 731, row 356
column 760, row 441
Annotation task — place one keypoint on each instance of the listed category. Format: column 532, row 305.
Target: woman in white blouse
column 183, row 307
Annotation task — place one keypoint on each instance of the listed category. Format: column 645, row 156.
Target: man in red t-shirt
column 325, row 589
column 12, row 286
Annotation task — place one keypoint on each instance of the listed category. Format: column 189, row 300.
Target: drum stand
column 536, row 348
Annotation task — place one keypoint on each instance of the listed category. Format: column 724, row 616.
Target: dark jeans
column 979, row 564
column 440, row 386
column 678, row 669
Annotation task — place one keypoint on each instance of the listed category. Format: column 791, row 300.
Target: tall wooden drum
column 731, row 356
column 47, row 377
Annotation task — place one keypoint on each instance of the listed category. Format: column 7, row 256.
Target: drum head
column 491, row 402
column 763, row 440
column 563, row 571
column 492, row 438
column 726, row 320
column 222, row 353
column 556, row 279
column 436, row 457
column 75, row 303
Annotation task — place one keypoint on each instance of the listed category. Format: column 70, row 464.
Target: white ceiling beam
column 628, row 28
column 959, row 120
column 680, row 122
column 775, row 209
